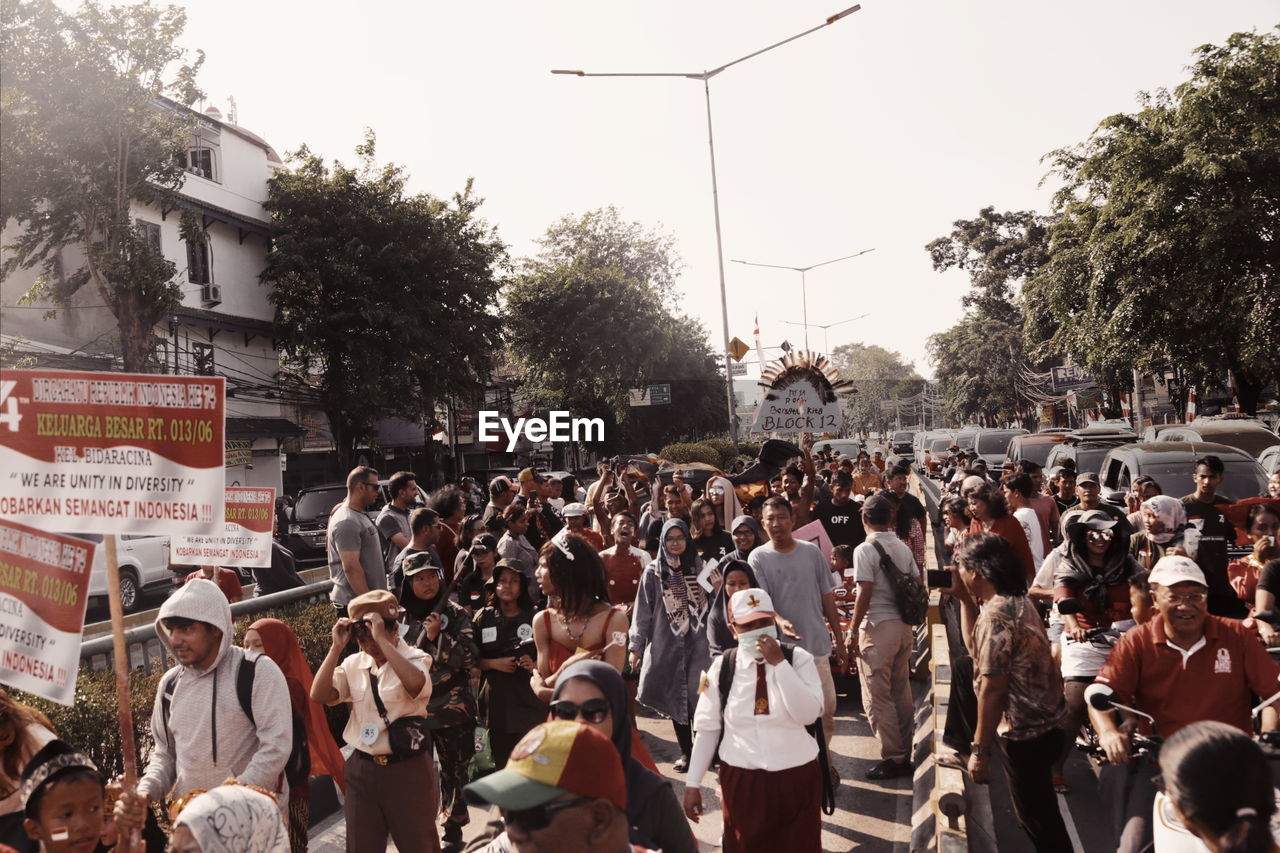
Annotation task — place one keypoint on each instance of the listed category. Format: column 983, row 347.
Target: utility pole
column 1137, row 401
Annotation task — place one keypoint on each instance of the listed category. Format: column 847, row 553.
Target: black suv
column 309, row 519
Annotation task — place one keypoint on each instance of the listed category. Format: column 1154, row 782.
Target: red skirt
column 775, row 810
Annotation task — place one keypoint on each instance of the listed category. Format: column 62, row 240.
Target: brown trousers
column 394, row 799
column 884, row 664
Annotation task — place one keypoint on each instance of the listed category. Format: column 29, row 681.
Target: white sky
column 878, row 131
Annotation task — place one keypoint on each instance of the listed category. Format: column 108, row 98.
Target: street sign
column 738, row 348
column 1071, row 376
column 652, row 395
column 737, row 370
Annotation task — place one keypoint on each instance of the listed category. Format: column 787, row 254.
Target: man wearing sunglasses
column 355, row 548
column 1183, row 666
column 562, row 791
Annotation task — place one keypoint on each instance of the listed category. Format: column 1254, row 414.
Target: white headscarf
column 1172, row 514
column 235, row 819
column 732, row 507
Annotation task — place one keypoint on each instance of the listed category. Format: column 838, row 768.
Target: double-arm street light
column 825, row 344
column 705, row 77
column 804, row 292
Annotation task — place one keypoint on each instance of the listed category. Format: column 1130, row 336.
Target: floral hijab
column 1172, row 514
column 683, row 598
column 235, row 819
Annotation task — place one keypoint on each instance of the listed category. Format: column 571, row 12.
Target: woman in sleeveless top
column 578, row 623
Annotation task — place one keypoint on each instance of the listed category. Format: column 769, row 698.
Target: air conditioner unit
column 211, row 294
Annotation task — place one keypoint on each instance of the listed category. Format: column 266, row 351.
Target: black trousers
column 962, row 709
column 1029, row 765
column 1129, row 790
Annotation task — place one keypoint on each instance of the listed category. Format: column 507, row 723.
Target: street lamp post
column 705, row 77
column 826, row 345
column 804, row 288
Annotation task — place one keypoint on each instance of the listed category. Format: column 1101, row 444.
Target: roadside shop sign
column 246, row 537
column 112, row 453
column 1071, row 376
column 44, row 585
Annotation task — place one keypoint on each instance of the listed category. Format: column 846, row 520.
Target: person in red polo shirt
column 1181, row 667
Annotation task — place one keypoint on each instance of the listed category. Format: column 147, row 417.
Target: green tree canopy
column 978, row 360
column 594, row 315
column 880, row 376
column 1165, row 251
column 385, row 302
column 86, row 131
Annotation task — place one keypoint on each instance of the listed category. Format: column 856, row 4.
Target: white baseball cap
column 573, row 509
column 1171, row 570
column 749, row 604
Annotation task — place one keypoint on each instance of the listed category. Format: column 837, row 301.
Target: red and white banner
column 44, row 585
column 112, row 452
column 245, row 539
column 1191, row 404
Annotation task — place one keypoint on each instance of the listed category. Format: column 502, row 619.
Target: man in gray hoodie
column 201, row 730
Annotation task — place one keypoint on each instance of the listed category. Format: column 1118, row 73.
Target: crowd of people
column 527, row 622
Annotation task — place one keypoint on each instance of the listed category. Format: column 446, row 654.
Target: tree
column 979, row 359
column 86, row 132
column 880, row 376
column 1164, row 255
column 384, row 301
column 594, row 315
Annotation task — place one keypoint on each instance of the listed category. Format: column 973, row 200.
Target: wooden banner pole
column 120, row 661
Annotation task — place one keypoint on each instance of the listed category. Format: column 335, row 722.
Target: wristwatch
column 980, row 748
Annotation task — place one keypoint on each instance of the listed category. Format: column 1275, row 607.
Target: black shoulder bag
column 409, row 736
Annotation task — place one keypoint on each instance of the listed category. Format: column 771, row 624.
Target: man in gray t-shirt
column 355, row 549
column 802, row 587
column 882, row 641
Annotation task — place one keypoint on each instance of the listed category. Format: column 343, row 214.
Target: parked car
column 1270, row 460
column 901, row 443
column 1169, row 463
column 844, row 446
column 1089, row 446
column 144, row 567
column 1247, row 435
column 1035, row 448
column 993, row 444
column 309, row 519
column 925, row 443
column 964, row 438
column 938, row 451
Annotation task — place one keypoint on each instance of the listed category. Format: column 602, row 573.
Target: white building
column 223, row 326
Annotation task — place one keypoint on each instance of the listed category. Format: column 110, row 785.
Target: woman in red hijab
column 277, row 641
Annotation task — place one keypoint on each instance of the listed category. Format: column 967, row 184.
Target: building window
column 200, row 162
column 199, row 269
column 201, row 359
column 150, row 231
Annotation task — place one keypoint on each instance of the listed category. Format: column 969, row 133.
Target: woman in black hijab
column 592, row 692
column 737, row 576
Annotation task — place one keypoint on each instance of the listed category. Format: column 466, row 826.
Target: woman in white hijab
column 230, row 819
column 1163, row 520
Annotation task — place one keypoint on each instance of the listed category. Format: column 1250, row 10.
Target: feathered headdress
column 807, row 366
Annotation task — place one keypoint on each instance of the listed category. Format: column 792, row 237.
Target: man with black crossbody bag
column 391, row 784
column 890, row 601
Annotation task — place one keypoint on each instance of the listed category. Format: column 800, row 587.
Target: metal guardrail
column 144, row 647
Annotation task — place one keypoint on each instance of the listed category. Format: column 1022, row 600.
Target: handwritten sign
column 246, row 539
column 798, row 408
column 44, row 585
column 112, row 452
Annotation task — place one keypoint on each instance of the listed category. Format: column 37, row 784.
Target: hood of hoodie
column 201, row 601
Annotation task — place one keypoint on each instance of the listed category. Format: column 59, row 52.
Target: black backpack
column 298, row 766
column 727, row 668
column 911, row 596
